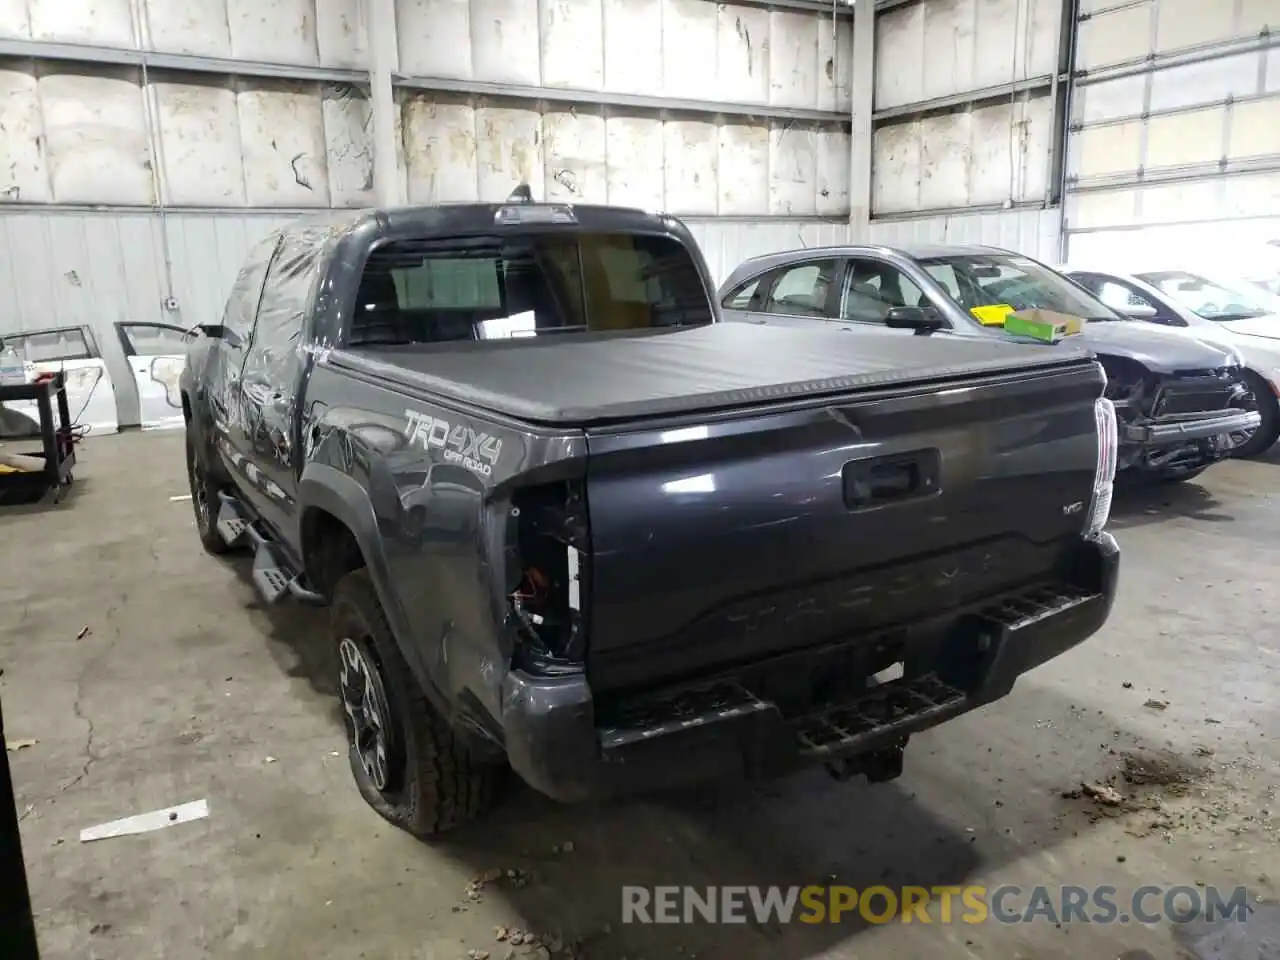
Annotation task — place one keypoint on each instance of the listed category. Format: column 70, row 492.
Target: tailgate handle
column 905, row 476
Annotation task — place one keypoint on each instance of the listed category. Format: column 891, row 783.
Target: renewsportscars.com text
column 938, row 904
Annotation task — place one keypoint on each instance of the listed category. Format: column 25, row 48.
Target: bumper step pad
column 682, row 710
column 838, row 729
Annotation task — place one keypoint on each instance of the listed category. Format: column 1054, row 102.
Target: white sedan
column 1221, row 312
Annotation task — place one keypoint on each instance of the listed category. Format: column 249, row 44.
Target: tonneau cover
column 567, row 380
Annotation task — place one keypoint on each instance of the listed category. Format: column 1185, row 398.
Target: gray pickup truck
column 570, row 524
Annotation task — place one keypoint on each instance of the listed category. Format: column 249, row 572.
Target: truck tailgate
column 732, row 538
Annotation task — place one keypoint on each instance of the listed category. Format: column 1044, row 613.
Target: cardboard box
column 1046, row 325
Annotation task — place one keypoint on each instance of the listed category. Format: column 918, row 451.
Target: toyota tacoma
column 569, row 523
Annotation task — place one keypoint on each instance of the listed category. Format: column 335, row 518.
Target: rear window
column 526, row 286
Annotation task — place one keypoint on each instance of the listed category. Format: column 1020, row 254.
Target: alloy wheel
column 369, row 722
column 199, row 491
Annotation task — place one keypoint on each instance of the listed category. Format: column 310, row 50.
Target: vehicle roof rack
column 521, row 194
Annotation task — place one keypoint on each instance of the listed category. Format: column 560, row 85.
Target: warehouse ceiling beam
column 86, row 55
column 934, row 213
column 83, row 54
column 842, row 8
column 758, row 111
column 957, row 101
column 277, row 214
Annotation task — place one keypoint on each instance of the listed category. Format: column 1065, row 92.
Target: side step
column 272, row 573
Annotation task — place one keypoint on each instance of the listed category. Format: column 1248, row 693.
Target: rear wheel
column 204, row 498
column 1265, row 436
column 408, row 763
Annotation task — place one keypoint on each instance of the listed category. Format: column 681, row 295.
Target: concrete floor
column 185, row 687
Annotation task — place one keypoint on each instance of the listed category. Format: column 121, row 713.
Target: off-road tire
column 438, row 784
column 204, row 498
column 1269, row 430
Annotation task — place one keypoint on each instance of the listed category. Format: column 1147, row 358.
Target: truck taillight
column 547, row 603
column 1104, row 475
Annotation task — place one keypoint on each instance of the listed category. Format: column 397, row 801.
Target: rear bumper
column 1165, row 433
column 720, row 729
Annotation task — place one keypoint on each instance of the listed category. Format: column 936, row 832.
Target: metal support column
column 862, row 81
column 380, row 23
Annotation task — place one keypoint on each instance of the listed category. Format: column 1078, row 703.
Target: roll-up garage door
column 1174, row 147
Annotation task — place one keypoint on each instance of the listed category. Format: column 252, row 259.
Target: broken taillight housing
column 1104, row 475
column 547, row 566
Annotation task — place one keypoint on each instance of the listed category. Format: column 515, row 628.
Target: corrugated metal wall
column 1035, row 233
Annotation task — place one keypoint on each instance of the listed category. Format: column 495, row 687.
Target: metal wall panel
column 1175, row 115
column 943, row 47
column 459, row 148
column 675, row 48
column 98, row 269
column 982, row 155
column 726, row 244
column 96, row 133
column 1034, row 233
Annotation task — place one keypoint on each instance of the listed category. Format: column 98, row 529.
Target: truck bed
column 566, row 380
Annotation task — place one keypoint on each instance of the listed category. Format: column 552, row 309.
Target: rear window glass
column 526, row 286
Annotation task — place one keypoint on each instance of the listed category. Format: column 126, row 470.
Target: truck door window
column 873, row 288
column 743, row 297
column 242, row 304
column 285, row 300
column 525, row 285
column 802, row 290
column 273, row 363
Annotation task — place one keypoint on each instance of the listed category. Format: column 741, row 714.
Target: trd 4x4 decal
column 458, row 443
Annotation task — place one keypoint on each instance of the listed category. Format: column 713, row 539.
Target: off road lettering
column 457, row 443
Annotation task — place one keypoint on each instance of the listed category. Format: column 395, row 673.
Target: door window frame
column 239, row 341
column 1165, row 316
column 769, row 280
column 912, row 274
column 127, row 344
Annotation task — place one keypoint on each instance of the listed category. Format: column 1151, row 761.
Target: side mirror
column 923, row 320
column 1137, row 312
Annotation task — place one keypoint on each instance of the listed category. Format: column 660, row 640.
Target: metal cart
column 58, row 442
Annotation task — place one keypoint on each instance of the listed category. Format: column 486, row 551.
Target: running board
column 272, row 574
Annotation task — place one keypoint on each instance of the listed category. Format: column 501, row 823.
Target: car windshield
column 526, row 285
column 975, row 281
column 1205, row 298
